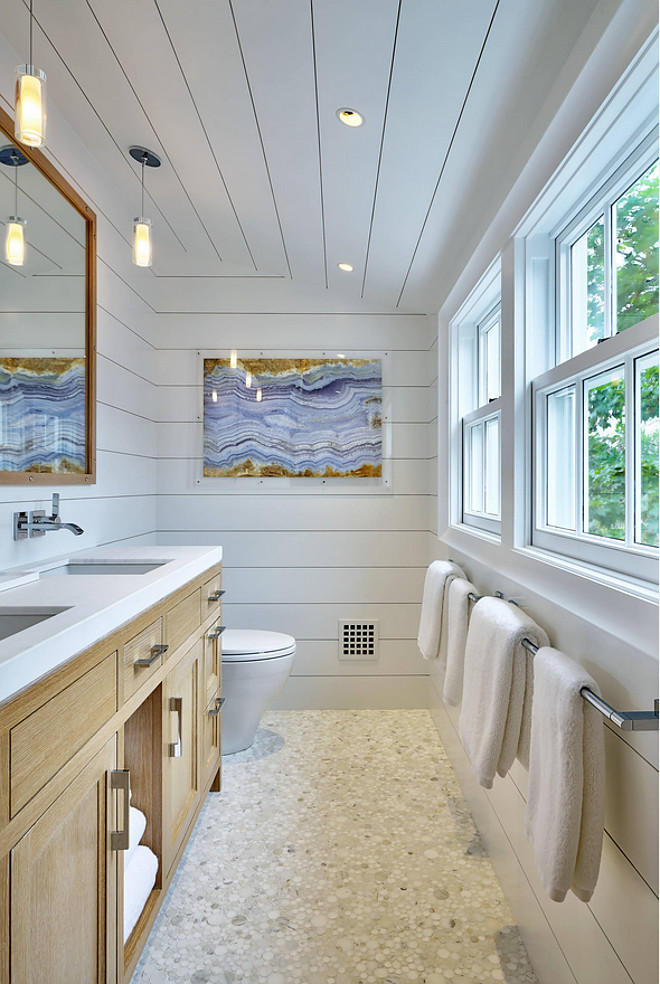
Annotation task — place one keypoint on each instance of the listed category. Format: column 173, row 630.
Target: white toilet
column 255, row 667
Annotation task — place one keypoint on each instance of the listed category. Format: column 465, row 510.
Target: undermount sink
column 95, row 567
column 16, row 620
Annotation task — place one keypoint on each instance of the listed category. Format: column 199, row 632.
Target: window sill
column 634, row 587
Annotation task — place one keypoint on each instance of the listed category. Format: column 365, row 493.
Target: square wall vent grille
column 358, row 639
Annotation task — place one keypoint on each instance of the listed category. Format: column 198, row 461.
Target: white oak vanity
column 122, row 685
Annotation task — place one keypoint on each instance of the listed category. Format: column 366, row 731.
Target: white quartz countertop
column 92, row 605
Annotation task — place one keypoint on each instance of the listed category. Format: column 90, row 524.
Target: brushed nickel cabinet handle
column 155, row 652
column 216, row 596
column 175, row 747
column 214, row 711
column 217, row 632
column 121, row 779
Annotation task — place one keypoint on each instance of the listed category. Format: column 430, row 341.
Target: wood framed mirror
column 47, row 323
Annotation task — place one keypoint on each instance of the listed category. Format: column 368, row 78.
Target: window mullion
column 609, row 274
column 581, row 451
column 629, row 444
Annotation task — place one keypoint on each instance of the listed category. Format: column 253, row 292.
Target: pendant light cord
column 31, row 63
column 15, row 159
column 144, row 160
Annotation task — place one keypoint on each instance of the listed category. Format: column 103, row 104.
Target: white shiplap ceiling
column 259, row 179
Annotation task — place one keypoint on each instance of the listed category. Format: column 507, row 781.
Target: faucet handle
column 56, row 506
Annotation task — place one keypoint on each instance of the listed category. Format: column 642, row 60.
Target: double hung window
column 596, row 413
column 481, row 412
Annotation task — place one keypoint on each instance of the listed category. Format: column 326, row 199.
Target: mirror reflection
column 43, row 324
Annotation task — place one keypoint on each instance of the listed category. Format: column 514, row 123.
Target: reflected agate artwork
column 293, row 418
column 42, row 415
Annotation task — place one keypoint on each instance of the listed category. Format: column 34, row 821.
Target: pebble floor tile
column 340, row 851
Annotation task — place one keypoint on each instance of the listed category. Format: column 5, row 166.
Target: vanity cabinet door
column 181, row 704
column 63, row 881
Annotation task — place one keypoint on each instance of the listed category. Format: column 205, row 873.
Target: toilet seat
column 246, row 645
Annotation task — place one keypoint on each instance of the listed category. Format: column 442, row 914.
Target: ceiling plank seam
column 449, row 148
column 205, row 132
column 380, row 150
column 261, row 139
column 318, row 136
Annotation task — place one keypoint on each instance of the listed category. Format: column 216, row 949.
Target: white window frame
column 600, row 203
column 481, row 518
column 469, row 354
column 626, row 557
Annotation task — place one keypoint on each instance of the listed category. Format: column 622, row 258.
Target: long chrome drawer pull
column 155, row 652
column 216, row 596
column 121, row 779
column 214, row 711
column 217, row 632
column 175, row 747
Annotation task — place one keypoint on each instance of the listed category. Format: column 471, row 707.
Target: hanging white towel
column 458, row 606
column 137, row 824
column 494, row 685
column 430, row 623
column 566, row 799
column 139, row 879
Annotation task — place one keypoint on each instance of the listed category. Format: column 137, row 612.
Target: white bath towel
column 139, row 879
column 494, row 685
column 137, row 824
column 458, row 614
column 566, row 799
column 430, row 622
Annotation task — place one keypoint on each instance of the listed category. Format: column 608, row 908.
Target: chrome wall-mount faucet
column 38, row 523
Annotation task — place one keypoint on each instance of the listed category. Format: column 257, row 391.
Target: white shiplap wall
column 614, row 938
column 299, row 559
column 121, row 505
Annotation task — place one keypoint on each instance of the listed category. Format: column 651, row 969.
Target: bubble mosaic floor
column 339, row 851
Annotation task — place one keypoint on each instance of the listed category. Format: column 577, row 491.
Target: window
column 480, row 386
column 608, row 261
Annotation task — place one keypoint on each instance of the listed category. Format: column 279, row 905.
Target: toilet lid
column 244, row 644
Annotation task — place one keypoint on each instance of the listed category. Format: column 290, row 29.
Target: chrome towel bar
column 625, row 720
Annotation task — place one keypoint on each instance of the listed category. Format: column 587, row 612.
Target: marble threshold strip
column 625, row 720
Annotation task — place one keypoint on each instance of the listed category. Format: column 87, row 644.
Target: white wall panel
column 121, row 388
column 321, row 620
column 205, row 514
column 307, row 585
column 396, row 657
column 346, row 693
column 361, row 548
column 294, row 333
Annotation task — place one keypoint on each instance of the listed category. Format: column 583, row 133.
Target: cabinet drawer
column 142, row 656
column 182, row 620
column 211, row 593
column 43, row 742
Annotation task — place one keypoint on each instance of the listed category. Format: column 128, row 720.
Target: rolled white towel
column 430, row 622
column 139, row 879
column 137, row 824
column 495, row 685
column 457, row 627
column 566, row 798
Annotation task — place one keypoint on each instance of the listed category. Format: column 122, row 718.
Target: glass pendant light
column 142, row 246
column 30, row 119
column 15, row 242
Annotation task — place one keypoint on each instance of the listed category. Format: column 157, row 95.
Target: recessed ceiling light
column 350, row 117
column 346, row 267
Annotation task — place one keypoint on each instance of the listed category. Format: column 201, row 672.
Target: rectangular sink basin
column 96, row 567
column 16, row 620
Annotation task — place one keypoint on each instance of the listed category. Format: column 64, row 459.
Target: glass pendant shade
column 30, row 119
column 142, row 242
column 15, row 244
